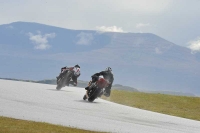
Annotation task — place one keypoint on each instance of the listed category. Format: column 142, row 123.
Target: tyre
column 93, row 95
column 64, row 80
column 91, row 99
column 67, row 78
column 58, row 87
column 84, row 97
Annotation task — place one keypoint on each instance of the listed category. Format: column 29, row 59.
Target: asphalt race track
column 43, row 103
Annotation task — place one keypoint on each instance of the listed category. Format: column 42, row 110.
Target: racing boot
column 106, row 94
column 101, row 93
column 85, row 96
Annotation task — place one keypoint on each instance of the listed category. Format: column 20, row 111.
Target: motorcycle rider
column 108, row 75
column 75, row 74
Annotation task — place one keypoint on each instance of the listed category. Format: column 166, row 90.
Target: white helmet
column 77, row 71
column 108, row 69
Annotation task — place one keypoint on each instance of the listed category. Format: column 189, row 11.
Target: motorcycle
column 96, row 89
column 67, row 74
column 64, row 80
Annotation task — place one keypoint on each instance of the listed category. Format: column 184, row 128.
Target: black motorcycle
column 64, row 79
column 95, row 89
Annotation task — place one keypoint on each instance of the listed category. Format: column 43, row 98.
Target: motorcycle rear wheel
column 84, row 97
column 64, row 80
column 58, row 87
column 94, row 95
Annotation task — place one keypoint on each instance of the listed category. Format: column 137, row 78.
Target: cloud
column 195, row 45
column 109, row 29
column 41, row 41
column 84, row 38
column 142, row 6
column 141, row 25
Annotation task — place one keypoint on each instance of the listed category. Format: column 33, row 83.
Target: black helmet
column 108, row 69
column 77, row 66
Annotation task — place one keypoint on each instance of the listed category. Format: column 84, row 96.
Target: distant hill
column 53, row 81
column 81, row 84
column 141, row 60
column 172, row 93
column 121, row 87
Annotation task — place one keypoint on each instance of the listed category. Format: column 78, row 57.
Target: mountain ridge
column 141, row 60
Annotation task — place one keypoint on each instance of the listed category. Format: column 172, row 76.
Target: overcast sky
column 175, row 20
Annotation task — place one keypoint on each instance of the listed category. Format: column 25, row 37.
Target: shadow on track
column 58, row 90
column 85, row 101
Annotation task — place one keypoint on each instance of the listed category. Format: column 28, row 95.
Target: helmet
column 77, row 66
column 108, row 69
column 77, row 71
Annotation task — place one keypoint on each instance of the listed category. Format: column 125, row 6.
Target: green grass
column 182, row 106
column 9, row 125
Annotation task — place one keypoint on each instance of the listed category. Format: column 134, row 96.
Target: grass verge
column 182, row 106
column 10, row 125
